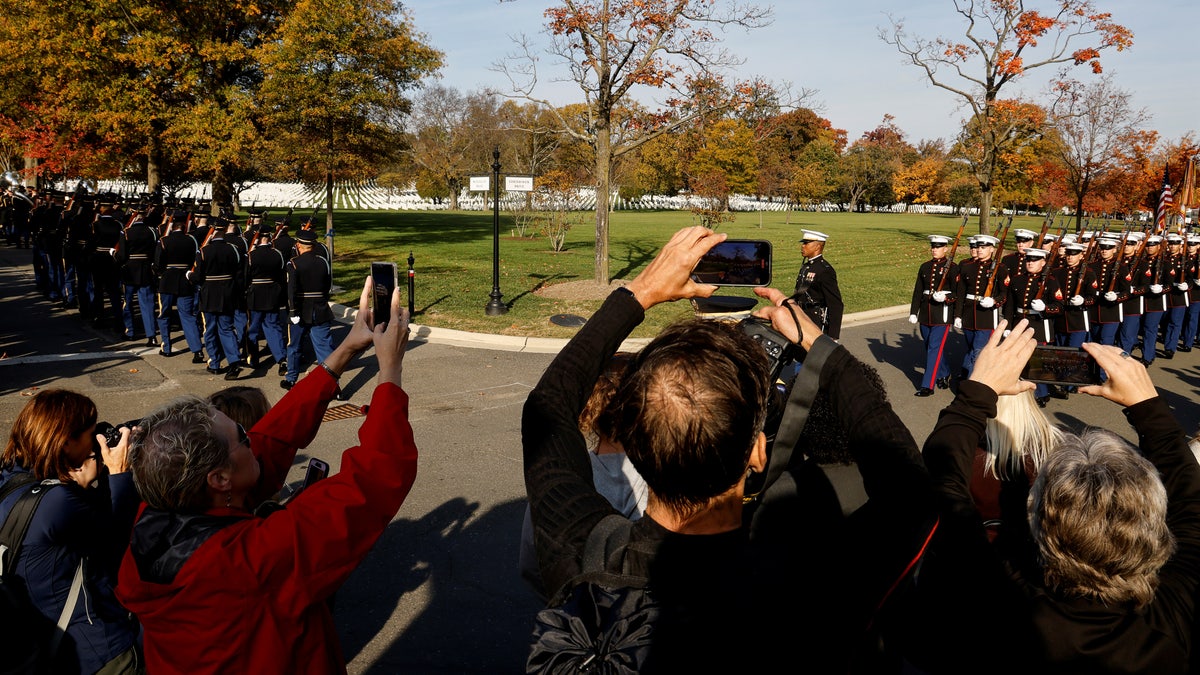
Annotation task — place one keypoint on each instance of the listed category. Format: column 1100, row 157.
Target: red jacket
column 251, row 597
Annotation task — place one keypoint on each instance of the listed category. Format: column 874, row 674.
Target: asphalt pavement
column 440, row 591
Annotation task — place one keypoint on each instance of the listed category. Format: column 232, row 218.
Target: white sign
column 481, row 183
column 518, row 183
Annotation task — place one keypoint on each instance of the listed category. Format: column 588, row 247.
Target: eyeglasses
column 243, row 437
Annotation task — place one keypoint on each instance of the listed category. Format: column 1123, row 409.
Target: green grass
column 876, row 257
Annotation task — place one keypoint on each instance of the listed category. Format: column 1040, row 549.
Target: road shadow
column 904, row 351
column 479, row 615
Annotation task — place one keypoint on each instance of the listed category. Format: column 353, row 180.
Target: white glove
column 1156, row 288
column 958, row 324
column 187, row 275
column 1076, row 300
column 987, row 302
column 940, row 296
column 1110, row 296
column 912, row 318
column 1181, row 285
column 296, row 320
column 1037, row 305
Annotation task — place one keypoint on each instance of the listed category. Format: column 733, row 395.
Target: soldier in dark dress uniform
column 219, row 271
column 173, row 259
column 932, row 308
column 1015, row 262
column 977, row 308
column 1112, row 291
column 817, row 286
column 1035, row 296
column 1078, row 284
column 135, row 253
column 241, row 317
column 1178, row 284
column 309, row 279
column 1191, row 319
column 283, row 242
column 265, row 299
column 106, row 273
column 1153, row 276
column 77, row 278
column 1134, row 306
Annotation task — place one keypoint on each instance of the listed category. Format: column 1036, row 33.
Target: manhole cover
column 342, row 412
column 568, row 320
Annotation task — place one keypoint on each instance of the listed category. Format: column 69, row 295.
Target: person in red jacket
column 220, row 590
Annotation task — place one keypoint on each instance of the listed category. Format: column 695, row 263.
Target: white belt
column 178, row 267
column 312, row 295
column 262, row 281
column 138, row 256
column 977, row 297
column 219, row 277
column 101, row 249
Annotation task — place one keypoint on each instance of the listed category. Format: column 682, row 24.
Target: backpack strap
column 16, row 525
column 800, row 399
column 64, row 619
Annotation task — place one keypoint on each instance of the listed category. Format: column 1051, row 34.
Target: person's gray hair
column 171, row 453
column 1098, row 513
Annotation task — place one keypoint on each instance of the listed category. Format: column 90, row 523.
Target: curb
column 537, row 345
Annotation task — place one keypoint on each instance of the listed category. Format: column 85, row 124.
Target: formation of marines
column 1122, row 288
column 143, row 267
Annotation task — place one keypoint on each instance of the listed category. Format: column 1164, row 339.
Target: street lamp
column 495, row 307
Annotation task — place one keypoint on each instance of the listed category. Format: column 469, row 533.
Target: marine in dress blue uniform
column 932, row 309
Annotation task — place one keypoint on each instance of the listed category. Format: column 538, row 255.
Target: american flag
column 1165, row 202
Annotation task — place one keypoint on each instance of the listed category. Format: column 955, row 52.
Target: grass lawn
column 876, row 257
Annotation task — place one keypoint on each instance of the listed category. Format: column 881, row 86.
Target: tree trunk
column 454, row 190
column 222, row 189
column 153, row 162
column 985, row 209
column 329, row 213
column 603, row 164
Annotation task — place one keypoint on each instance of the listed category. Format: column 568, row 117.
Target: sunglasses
column 243, row 437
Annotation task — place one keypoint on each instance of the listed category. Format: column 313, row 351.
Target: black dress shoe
column 1042, row 401
column 215, row 370
column 282, row 368
column 166, row 354
column 943, row 382
column 197, row 357
column 233, row 372
column 287, row 384
column 1169, row 354
column 1144, row 362
column 924, row 391
column 151, row 341
column 1056, row 392
column 1185, row 349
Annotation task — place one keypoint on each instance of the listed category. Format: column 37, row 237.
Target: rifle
column 1112, row 283
column 1046, row 222
column 1049, row 266
column 286, row 221
column 953, row 250
column 996, row 260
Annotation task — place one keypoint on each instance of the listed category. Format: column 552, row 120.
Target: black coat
column 136, row 254
column 309, row 280
column 929, row 277
column 817, row 286
column 267, row 279
column 173, row 258
column 219, row 275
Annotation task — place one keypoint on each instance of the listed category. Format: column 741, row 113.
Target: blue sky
column 833, row 46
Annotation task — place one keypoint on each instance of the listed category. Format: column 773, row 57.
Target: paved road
column 440, row 591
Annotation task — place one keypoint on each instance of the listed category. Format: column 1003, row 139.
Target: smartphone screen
column 317, row 470
column 736, row 262
column 384, row 276
column 1061, row 365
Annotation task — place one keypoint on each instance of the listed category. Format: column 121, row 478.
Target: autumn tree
column 1003, row 42
column 1094, row 124
column 439, row 142
column 727, row 151
column 614, row 50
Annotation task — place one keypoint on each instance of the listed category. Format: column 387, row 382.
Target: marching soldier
column 310, row 224
column 980, row 291
column 77, row 288
column 817, row 286
column 1112, row 291
column 932, row 308
column 1134, row 305
column 1155, row 298
column 106, row 275
column 283, row 241
column 218, row 272
column 1015, row 262
column 1078, row 284
column 1191, row 319
column 173, row 259
column 309, row 280
column 135, row 253
column 1178, row 283
column 265, row 299
column 1037, row 297
column 233, row 235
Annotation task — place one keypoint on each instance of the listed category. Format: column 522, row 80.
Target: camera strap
column 795, row 415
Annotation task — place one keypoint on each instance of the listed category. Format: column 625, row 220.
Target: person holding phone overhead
column 817, row 285
column 218, row 589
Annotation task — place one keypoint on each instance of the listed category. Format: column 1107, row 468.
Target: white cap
column 1107, row 241
column 1025, row 234
column 1153, row 239
column 1174, row 238
column 987, row 240
column 1035, row 254
column 813, row 235
column 1134, row 237
column 1069, row 239
column 1074, row 247
column 938, row 239
column 1050, row 238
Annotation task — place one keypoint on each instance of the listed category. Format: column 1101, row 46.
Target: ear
column 220, row 480
column 758, row 455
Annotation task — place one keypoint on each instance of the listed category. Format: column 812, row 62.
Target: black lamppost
column 495, row 307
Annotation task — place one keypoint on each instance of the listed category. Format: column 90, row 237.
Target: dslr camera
column 112, row 433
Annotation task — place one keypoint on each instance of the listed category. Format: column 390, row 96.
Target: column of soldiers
column 141, row 268
column 1115, row 288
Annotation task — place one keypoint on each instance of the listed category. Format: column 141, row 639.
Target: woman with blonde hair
column 78, row 531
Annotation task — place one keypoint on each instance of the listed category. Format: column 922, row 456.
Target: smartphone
column 384, row 276
column 736, row 262
column 1061, row 365
column 316, row 471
